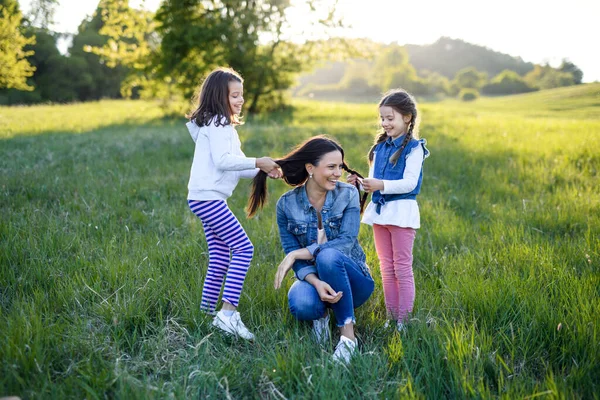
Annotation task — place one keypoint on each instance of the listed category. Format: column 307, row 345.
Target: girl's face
column 236, row 97
column 328, row 172
column 392, row 122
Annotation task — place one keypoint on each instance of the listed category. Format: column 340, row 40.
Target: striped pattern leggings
column 225, row 237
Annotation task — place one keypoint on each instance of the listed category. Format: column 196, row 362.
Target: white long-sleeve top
column 219, row 162
column 405, row 212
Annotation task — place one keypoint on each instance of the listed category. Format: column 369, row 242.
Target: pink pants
column 394, row 247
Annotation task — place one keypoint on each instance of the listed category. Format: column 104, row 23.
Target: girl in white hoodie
column 218, row 165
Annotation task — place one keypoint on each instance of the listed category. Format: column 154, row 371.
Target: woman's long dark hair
column 404, row 103
column 294, row 170
column 213, row 99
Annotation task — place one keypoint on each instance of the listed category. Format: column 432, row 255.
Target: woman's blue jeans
column 342, row 274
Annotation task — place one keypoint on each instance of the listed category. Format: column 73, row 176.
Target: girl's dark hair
column 404, row 103
column 294, row 171
column 213, row 99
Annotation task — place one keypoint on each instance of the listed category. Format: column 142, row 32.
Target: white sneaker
column 401, row 327
column 344, row 350
column 232, row 325
column 321, row 329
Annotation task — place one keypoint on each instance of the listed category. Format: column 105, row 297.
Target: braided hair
column 405, row 104
column 294, row 170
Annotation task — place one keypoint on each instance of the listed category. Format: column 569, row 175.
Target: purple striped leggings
column 225, row 237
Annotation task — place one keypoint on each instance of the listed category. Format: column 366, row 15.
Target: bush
column 468, row 94
column 506, row 82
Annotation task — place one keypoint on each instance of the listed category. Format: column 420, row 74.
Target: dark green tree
column 130, row 46
column 546, row 77
column 435, row 82
column 249, row 36
column 506, row 82
column 470, row 78
column 569, row 67
column 106, row 82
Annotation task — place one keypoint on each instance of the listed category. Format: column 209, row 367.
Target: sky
column 538, row 31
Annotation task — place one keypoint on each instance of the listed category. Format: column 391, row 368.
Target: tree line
column 449, row 67
column 124, row 52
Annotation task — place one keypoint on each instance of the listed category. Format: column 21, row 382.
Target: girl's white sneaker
column 232, row 325
column 400, row 327
column 321, row 329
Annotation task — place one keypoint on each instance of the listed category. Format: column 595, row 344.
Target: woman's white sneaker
column 321, row 329
column 232, row 325
column 344, row 350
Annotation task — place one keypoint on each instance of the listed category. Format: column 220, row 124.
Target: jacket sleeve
column 289, row 242
column 348, row 229
column 221, row 142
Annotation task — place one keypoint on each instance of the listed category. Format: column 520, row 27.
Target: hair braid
column 394, row 158
column 380, row 138
column 363, row 198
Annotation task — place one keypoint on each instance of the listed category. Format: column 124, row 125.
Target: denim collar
column 396, row 142
column 306, row 204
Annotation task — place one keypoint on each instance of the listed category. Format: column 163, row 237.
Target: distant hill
column 448, row 56
column 579, row 101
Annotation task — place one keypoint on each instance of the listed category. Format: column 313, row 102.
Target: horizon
column 554, row 34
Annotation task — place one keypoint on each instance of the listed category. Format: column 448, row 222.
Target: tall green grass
column 102, row 263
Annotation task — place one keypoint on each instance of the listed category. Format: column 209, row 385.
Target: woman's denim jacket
column 297, row 221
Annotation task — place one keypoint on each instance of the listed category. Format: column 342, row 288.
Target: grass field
column 102, row 262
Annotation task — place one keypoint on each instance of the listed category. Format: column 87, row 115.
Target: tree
column 392, row 69
column 468, row 94
column 569, row 67
column 14, row 67
column 546, row 77
column 130, row 44
column 470, row 78
column 42, row 13
column 506, row 82
column 107, row 79
column 249, row 36
column 435, row 82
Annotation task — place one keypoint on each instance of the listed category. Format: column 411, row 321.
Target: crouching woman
column 318, row 224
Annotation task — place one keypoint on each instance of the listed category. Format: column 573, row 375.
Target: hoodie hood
column 194, row 130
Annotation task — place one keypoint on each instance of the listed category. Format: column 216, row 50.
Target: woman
column 318, row 227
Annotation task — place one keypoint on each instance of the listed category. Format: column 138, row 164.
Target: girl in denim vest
column 395, row 177
column 218, row 165
column 318, row 226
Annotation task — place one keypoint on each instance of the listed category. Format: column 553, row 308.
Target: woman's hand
column 372, row 185
column 283, row 269
column 326, row 292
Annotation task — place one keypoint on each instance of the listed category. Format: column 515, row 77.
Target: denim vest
column 384, row 169
column 297, row 222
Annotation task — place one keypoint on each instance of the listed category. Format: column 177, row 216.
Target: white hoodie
column 219, row 162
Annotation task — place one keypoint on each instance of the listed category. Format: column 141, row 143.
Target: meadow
column 102, row 263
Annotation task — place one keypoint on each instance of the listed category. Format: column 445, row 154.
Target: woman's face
column 326, row 174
